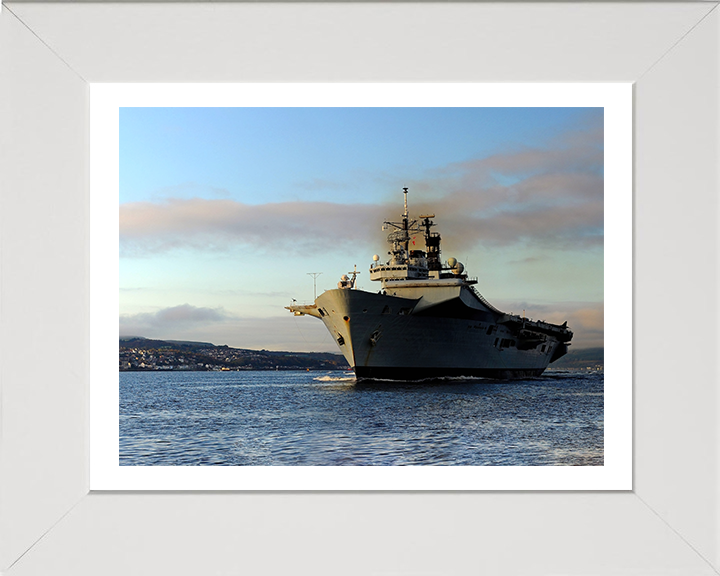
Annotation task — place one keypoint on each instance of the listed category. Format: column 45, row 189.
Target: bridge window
column 386, row 310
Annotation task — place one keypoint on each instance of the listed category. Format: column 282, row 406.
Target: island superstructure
column 428, row 320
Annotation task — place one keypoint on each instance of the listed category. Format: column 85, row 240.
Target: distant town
column 137, row 354
column 145, row 354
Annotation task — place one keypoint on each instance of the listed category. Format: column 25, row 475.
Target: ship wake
column 344, row 378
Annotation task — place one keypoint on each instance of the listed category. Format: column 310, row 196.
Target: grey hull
column 411, row 373
column 405, row 338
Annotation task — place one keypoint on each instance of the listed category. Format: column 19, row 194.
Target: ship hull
column 404, row 337
column 411, row 373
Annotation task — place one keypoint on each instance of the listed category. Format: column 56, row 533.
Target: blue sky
column 224, row 211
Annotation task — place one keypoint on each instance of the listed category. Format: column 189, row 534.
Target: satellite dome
column 452, row 262
column 376, row 257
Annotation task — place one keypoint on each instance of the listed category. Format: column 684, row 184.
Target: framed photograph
column 553, row 214
column 73, row 507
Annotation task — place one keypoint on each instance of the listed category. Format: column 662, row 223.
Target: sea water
column 294, row 418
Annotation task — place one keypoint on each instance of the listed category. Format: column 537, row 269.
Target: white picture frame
column 51, row 52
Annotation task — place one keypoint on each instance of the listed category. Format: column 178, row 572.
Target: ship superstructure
column 428, row 320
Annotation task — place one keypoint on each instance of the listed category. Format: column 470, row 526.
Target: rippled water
column 310, row 418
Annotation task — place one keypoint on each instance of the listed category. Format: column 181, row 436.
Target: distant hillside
column 137, row 353
column 581, row 359
column 147, row 343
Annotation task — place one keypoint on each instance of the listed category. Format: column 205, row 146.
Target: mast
column 400, row 237
column 405, row 223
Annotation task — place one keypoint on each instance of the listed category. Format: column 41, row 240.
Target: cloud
column 549, row 196
column 189, row 190
column 294, row 227
column 167, row 322
column 528, row 260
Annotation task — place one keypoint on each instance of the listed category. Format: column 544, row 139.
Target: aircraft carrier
column 428, row 320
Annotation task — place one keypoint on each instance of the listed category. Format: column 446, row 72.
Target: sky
column 225, row 212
